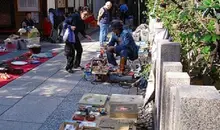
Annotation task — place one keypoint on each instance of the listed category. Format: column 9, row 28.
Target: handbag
column 69, row 35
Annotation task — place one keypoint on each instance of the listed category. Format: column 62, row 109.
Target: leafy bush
column 193, row 24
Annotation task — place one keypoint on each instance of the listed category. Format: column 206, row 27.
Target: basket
column 35, row 49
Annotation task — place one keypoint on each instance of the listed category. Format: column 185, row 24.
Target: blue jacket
column 125, row 41
column 74, row 20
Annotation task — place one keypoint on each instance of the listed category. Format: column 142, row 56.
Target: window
column 28, row 5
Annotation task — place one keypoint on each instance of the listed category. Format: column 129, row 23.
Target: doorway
column 7, row 14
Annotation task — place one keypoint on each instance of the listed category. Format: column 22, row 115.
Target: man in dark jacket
column 27, row 22
column 75, row 24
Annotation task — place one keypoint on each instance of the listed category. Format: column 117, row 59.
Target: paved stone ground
column 46, row 96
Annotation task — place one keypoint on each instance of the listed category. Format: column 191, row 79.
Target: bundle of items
column 97, row 69
column 14, row 68
column 31, row 37
column 11, row 43
column 78, row 125
column 99, row 113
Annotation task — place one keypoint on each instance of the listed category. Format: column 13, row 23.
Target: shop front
column 12, row 13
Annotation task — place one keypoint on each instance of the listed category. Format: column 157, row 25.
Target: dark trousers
column 123, row 16
column 72, row 60
column 111, row 59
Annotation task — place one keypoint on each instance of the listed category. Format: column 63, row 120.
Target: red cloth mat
column 3, row 53
column 25, row 68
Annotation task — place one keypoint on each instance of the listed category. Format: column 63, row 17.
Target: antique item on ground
column 107, row 123
column 78, row 117
column 124, row 111
column 111, row 124
column 66, row 125
column 93, row 99
column 43, row 55
column 15, row 71
column 90, row 117
column 4, row 76
column 35, row 49
column 35, row 62
column 19, row 63
column 4, row 68
column 126, row 99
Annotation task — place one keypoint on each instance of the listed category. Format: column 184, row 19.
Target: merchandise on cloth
column 3, row 53
column 20, row 67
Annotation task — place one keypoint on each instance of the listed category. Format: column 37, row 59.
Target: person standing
column 103, row 22
column 56, row 18
column 75, row 24
column 123, row 12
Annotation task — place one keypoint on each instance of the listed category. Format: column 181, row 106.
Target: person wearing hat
column 121, row 43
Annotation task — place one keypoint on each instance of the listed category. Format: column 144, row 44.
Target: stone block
column 166, row 52
column 13, row 125
column 198, row 108
column 172, row 79
column 167, row 67
column 126, row 99
column 32, row 109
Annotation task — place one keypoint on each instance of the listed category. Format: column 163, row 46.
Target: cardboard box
column 124, row 111
column 32, row 33
column 126, row 99
column 93, row 100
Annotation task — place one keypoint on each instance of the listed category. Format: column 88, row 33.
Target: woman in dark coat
column 75, row 24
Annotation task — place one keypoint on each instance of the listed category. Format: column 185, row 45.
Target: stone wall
column 179, row 105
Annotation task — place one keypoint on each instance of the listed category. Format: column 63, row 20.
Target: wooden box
column 123, row 111
column 93, row 99
column 126, row 99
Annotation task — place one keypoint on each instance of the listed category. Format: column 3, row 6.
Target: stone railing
column 179, row 105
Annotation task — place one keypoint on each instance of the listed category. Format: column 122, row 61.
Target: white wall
column 50, row 4
column 97, row 4
column 81, row 2
column 77, row 4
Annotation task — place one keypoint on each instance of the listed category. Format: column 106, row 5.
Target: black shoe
column 66, row 68
column 78, row 68
column 70, row 71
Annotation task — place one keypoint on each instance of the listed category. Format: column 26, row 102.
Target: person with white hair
column 104, row 21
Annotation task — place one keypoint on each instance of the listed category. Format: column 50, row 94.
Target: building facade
column 12, row 12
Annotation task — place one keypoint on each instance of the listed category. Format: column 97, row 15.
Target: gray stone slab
column 133, row 91
column 64, row 112
column 12, row 125
column 103, row 88
column 198, row 108
column 172, row 79
column 166, row 52
column 82, row 87
column 149, row 91
column 32, row 109
column 59, row 84
column 116, row 89
column 3, row 108
column 166, row 67
column 19, row 88
column 9, row 100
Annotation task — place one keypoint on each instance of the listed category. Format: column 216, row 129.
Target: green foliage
column 193, row 25
column 146, row 71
